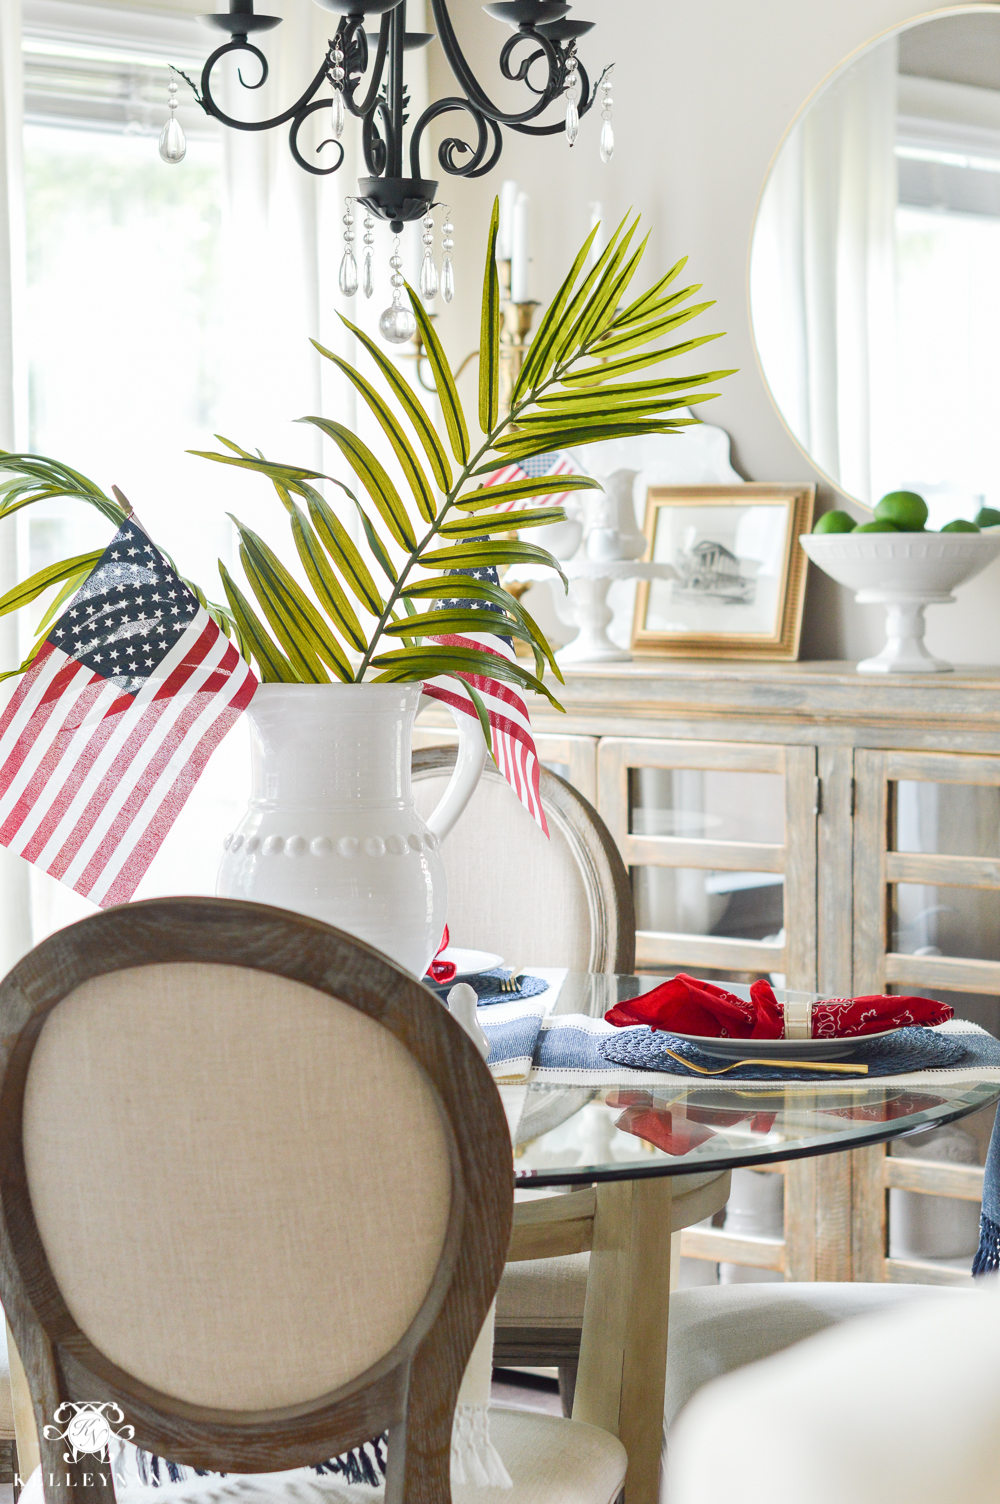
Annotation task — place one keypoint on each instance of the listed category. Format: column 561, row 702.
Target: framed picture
column 734, row 574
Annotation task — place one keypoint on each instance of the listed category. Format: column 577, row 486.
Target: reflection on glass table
column 570, row 1135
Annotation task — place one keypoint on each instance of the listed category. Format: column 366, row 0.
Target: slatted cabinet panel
column 793, row 856
column 916, row 911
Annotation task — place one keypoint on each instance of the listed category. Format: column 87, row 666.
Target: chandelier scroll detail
column 363, row 75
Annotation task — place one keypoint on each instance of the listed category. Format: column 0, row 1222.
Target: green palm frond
column 580, row 382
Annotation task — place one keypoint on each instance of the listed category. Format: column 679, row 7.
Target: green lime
column 878, row 526
column 839, row 522
column 988, row 517
column 904, row 509
column 960, row 525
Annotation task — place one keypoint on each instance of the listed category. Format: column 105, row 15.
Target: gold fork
column 512, row 983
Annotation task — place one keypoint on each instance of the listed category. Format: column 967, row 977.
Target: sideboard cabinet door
column 720, row 838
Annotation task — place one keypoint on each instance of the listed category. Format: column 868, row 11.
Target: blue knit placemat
column 486, row 985
column 915, row 1049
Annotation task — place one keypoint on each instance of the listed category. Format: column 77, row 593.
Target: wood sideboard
column 825, row 785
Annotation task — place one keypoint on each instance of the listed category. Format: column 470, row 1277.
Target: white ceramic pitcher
column 331, row 829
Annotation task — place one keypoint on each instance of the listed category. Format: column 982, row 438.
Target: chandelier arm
column 448, row 147
column 209, row 105
column 554, row 57
column 376, row 150
column 494, row 156
column 293, row 139
column 467, row 79
column 588, row 98
column 368, row 103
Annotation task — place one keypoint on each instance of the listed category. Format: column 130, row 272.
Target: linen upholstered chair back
column 256, row 1189
column 565, row 901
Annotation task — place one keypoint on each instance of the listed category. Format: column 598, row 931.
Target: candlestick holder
column 517, row 319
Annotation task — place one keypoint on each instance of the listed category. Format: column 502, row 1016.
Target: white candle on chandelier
column 519, row 251
column 508, row 198
column 596, row 215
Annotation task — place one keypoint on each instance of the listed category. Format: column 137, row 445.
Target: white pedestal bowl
column 905, row 572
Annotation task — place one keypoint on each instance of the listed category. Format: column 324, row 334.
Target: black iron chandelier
column 362, row 75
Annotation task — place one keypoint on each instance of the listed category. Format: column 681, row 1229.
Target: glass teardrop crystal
column 173, row 145
column 607, row 142
column 428, row 279
column 368, row 282
column 338, row 114
column 447, row 280
column 572, row 121
column 348, row 278
column 397, row 325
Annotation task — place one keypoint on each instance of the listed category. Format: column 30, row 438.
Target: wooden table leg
column 28, row 1454
column 623, row 1350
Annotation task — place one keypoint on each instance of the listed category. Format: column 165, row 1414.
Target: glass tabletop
column 576, row 1135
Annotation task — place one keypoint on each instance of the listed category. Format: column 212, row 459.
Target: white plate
column 469, row 962
column 781, row 1049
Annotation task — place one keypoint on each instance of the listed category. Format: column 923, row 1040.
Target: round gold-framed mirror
column 874, row 275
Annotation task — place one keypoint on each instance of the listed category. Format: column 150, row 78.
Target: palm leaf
column 377, row 548
column 500, row 522
column 342, row 550
column 290, row 635
column 31, row 588
column 592, row 295
column 298, row 610
column 562, row 311
column 416, row 479
column 374, row 479
column 70, row 588
column 628, row 363
column 412, row 407
column 620, row 412
column 274, row 666
column 640, row 308
column 489, row 332
column 520, row 490
column 645, row 332
column 444, row 381
column 243, row 461
column 599, row 399
column 444, row 586
column 500, row 551
column 426, row 662
column 525, row 446
column 602, row 305
column 324, row 582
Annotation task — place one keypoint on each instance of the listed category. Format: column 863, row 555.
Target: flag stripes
column 98, row 757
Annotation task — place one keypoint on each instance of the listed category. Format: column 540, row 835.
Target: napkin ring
column 798, row 1019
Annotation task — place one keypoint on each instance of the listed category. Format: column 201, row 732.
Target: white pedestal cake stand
column 905, row 572
column 586, row 604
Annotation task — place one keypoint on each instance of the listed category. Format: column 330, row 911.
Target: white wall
column 704, row 90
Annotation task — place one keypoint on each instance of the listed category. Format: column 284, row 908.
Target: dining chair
column 255, row 1190
column 902, row 1407
column 562, row 901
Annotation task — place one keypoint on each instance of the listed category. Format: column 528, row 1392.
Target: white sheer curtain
column 15, row 919
column 822, row 275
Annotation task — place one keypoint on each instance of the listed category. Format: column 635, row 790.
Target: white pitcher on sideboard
column 331, row 829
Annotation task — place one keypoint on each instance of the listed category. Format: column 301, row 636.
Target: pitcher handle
column 468, row 767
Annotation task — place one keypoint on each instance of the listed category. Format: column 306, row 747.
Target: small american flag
column 513, row 743
column 112, row 725
column 554, row 463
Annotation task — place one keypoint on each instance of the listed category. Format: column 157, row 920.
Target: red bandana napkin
column 685, row 1005
column 442, row 971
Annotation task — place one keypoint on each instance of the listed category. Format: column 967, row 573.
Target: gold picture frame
column 738, row 601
